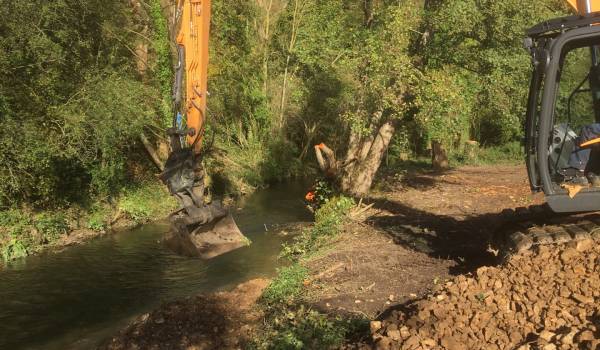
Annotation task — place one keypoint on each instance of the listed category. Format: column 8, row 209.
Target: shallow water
column 81, row 296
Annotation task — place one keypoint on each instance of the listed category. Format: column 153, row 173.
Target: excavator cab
column 562, row 127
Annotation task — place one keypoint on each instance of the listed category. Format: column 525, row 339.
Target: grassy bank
column 291, row 323
column 25, row 232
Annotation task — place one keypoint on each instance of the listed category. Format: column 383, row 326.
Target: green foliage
column 163, row 70
column 51, row 225
column 286, row 286
column 13, row 250
column 328, row 220
column 508, row 153
column 146, row 201
column 97, row 219
column 21, row 232
column 13, row 226
column 290, row 324
column 71, row 101
column 236, row 81
column 330, row 216
column 309, row 329
column 483, row 39
column 103, row 148
column 444, row 110
column 324, row 191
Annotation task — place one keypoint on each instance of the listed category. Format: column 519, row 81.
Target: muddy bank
column 222, row 320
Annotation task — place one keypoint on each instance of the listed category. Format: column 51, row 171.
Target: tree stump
column 439, row 158
column 471, row 150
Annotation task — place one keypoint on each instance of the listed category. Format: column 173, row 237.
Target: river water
column 79, row 297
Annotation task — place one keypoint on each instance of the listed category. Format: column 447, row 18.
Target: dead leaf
column 572, row 189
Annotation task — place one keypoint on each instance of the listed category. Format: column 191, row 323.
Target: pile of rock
column 548, row 298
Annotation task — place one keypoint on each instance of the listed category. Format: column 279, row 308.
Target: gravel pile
column 548, row 298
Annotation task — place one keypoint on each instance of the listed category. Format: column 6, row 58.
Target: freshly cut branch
column 355, row 175
column 152, row 152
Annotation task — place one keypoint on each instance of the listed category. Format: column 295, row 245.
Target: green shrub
column 163, row 71
column 146, row 201
column 51, row 225
column 13, row 249
column 309, row 329
column 15, row 227
column 328, row 220
column 509, row 153
column 286, row 286
column 97, row 219
column 290, row 324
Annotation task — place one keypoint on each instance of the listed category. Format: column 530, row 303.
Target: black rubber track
column 523, row 229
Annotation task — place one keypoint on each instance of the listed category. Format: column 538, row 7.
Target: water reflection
column 74, row 299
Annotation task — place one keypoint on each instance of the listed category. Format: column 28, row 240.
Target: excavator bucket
column 207, row 241
column 198, row 229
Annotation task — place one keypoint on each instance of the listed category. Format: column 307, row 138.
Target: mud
column 215, row 321
column 79, row 236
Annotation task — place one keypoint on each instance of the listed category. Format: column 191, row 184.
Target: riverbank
column 27, row 232
column 361, row 260
column 417, row 231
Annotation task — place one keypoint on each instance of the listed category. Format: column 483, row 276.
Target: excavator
column 201, row 227
column 562, row 132
column 562, row 136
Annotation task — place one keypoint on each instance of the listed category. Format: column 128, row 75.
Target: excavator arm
column 201, row 227
column 192, row 42
column 585, row 6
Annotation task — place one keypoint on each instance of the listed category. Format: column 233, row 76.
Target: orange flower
column 310, row 196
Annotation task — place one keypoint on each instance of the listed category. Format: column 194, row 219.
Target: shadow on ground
column 465, row 241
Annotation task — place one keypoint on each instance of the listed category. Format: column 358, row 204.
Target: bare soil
column 215, row 321
column 546, row 298
column 422, row 229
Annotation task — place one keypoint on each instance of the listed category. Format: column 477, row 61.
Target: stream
column 81, row 296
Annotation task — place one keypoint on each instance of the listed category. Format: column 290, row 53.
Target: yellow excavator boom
column 585, row 6
column 193, row 36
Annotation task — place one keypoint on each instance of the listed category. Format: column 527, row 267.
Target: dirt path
column 423, row 228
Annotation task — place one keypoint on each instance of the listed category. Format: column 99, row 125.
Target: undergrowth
column 291, row 324
column 509, row 153
column 146, row 202
column 245, row 160
column 24, row 232
column 163, row 71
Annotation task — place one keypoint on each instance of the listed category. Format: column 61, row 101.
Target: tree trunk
column 152, row 152
column 296, row 20
column 439, row 158
column 363, row 160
